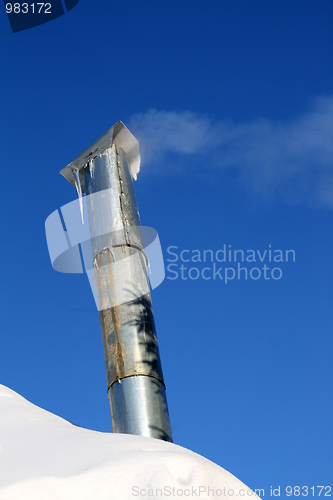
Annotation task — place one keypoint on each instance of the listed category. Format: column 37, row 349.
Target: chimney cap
column 119, row 135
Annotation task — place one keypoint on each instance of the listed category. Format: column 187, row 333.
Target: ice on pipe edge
column 118, row 135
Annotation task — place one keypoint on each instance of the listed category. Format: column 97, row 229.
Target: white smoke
column 291, row 160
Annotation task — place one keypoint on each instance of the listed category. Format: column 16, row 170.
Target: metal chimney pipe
column 135, row 384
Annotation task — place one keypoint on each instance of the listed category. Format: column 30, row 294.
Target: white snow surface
column 44, row 457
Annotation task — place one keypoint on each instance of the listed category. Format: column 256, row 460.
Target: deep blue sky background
column 248, row 365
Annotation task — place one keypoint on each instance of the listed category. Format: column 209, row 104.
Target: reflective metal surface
column 135, row 411
column 114, row 216
column 129, row 341
column 133, row 368
column 118, row 135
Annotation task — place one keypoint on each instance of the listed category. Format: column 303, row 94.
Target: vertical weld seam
column 125, row 222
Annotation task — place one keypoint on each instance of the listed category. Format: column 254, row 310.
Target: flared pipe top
column 118, row 135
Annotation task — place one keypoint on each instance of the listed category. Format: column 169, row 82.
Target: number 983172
column 25, row 8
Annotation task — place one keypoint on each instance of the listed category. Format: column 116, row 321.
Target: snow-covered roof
column 43, row 456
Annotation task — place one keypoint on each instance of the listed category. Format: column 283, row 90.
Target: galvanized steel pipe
column 134, row 375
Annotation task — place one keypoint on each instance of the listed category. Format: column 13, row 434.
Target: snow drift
column 43, row 456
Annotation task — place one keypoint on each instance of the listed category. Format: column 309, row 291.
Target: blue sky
column 232, row 102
